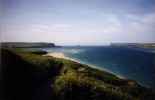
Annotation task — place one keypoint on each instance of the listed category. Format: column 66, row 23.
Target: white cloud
column 109, row 27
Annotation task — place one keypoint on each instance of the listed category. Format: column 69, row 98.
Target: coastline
column 63, row 56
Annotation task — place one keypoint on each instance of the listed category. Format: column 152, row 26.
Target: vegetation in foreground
column 32, row 76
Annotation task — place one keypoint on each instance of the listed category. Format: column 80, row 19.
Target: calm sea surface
column 133, row 63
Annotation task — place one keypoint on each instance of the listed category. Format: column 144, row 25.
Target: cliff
column 32, row 76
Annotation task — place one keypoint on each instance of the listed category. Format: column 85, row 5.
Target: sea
column 131, row 63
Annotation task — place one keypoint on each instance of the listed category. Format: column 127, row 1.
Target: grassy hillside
column 32, row 76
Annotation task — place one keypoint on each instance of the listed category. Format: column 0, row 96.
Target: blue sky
column 73, row 22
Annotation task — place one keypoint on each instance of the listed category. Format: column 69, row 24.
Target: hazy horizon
column 78, row 22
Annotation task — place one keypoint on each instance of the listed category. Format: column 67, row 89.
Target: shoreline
column 63, row 56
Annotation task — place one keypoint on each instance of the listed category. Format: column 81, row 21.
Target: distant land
column 140, row 45
column 47, row 44
column 27, row 44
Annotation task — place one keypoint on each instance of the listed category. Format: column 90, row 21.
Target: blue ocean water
column 136, row 64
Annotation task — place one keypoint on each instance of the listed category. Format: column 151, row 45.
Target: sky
column 77, row 22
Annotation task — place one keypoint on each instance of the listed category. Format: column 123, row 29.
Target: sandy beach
column 60, row 55
column 56, row 55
